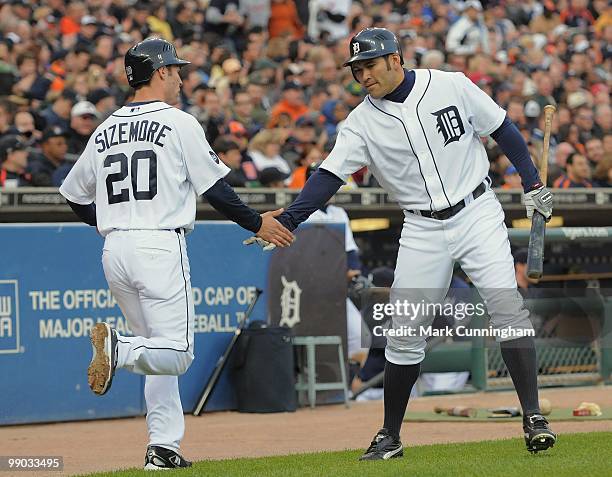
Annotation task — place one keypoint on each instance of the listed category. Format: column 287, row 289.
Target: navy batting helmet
column 372, row 43
column 144, row 58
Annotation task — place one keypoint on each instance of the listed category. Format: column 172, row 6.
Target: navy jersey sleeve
column 87, row 213
column 224, row 199
column 512, row 143
column 319, row 188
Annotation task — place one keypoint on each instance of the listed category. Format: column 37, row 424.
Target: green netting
column 558, row 364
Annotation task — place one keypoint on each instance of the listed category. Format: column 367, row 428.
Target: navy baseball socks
column 104, row 360
column 398, row 383
column 520, row 358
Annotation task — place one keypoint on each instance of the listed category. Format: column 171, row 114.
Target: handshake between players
column 272, row 233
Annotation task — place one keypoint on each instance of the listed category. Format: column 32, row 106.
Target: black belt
column 455, row 209
column 178, row 230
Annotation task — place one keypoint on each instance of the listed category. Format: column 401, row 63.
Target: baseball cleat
column 383, row 447
column 538, row 435
column 102, row 367
column 160, row 458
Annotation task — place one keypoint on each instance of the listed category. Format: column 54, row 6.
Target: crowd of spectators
column 266, row 80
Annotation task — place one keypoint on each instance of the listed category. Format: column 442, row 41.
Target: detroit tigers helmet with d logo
column 372, row 43
column 144, row 58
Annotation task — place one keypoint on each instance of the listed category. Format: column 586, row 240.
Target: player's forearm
column 512, row 143
column 87, row 213
column 321, row 187
column 225, row 200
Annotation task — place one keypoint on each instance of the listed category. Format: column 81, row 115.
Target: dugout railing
column 575, row 207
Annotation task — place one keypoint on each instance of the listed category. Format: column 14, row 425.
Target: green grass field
column 588, row 454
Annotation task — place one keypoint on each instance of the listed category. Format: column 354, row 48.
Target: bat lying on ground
column 504, row 412
column 459, row 411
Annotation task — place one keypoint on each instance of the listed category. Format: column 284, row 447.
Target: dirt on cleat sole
column 99, row 368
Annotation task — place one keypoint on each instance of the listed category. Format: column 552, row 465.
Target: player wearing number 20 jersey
column 137, row 181
column 144, row 167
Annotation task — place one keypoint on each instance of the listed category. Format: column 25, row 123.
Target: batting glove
column 539, row 199
column 267, row 246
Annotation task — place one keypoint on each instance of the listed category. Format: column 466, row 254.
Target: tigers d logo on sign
column 290, row 303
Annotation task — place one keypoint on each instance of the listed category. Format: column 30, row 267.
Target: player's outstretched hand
column 272, row 231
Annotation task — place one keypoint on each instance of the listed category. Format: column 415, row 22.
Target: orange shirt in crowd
column 564, row 182
column 284, row 108
column 298, row 179
column 69, row 27
column 57, row 72
column 284, row 19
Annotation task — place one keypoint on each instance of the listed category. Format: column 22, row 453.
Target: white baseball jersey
column 318, row 24
column 425, row 152
column 335, row 215
column 144, row 168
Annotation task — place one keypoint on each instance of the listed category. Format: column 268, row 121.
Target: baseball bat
column 504, row 412
column 216, row 374
column 535, row 252
column 460, row 411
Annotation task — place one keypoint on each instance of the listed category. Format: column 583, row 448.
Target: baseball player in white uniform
column 137, row 181
column 419, row 131
column 329, row 17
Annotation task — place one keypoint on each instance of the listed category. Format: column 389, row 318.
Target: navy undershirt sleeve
column 319, row 188
column 512, row 143
column 352, row 260
column 87, row 213
column 225, row 200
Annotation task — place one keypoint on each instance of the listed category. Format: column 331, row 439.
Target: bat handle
column 535, row 253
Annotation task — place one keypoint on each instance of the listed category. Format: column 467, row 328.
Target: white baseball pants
column 148, row 274
column 477, row 239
